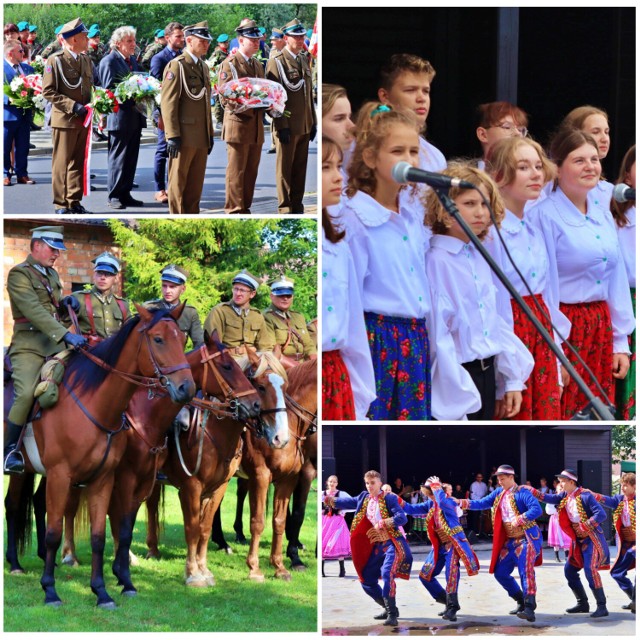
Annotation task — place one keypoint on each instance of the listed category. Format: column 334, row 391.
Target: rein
column 306, row 416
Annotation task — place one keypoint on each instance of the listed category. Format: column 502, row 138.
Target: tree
column 623, row 443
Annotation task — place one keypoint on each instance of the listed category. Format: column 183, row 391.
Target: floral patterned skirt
column 400, row 355
column 541, row 398
column 626, row 388
column 592, row 336
column 337, row 397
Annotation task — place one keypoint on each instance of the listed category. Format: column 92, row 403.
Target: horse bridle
column 257, row 424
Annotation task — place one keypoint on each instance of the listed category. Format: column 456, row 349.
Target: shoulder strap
column 123, row 308
column 89, row 305
column 46, row 284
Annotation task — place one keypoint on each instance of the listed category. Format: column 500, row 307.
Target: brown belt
column 579, row 534
column 513, row 531
column 627, row 534
column 239, row 351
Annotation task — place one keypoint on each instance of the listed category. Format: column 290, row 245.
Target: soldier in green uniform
column 67, row 83
column 96, row 50
column 54, row 45
column 219, row 55
column 289, row 328
column 35, row 296
column 102, row 312
column 174, row 280
column 237, row 322
column 291, row 69
column 312, row 328
column 186, row 112
column 152, row 48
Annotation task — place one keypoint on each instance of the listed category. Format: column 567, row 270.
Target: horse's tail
column 82, row 521
column 159, row 513
column 23, row 512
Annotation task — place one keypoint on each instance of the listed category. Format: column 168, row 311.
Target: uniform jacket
column 12, row 113
column 189, row 322
column 443, row 508
column 51, row 48
column 616, row 503
column 525, row 505
column 291, row 331
column 34, row 300
column 236, row 329
column 184, row 117
column 299, row 103
column 61, row 66
column 107, row 314
column 97, row 54
column 151, row 50
column 246, row 127
column 113, row 70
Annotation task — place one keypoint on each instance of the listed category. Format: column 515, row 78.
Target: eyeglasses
column 240, row 290
column 507, row 126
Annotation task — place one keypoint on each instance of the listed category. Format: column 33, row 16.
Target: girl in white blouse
column 348, row 385
column 471, row 340
column 521, row 168
column 589, row 281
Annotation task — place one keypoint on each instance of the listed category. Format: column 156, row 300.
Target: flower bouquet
column 25, row 92
column 142, row 88
column 103, row 102
column 253, row 93
column 38, row 64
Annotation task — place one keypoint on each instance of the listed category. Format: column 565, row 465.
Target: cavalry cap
column 23, row 26
column 294, row 28
column 107, row 262
column 94, row 30
column 73, row 28
column 246, row 278
column 53, row 236
column 276, row 34
column 569, row 474
column 248, row 29
column 506, row 469
column 223, row 37
column 200, row 30
column 175, row 274
column 282, row 287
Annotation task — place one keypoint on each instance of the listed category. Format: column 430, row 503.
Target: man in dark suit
column 17, row 122
column 174, row 35
column 125, row 126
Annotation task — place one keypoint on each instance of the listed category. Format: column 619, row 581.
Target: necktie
column 130, row 64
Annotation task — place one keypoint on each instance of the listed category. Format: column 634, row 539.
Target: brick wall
column 83, row 241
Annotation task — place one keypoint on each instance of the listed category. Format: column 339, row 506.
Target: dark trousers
column 483, row 374
column 17, row 131
column 124, row 147
column 160, row 162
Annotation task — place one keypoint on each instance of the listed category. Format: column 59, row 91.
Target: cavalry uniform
column 290, row 332
column 294, row 74
column 186, row 112
column 238, row 327
column 67, row 84
column 100, row 315
column 449, row 546
column 312, row 328
column 189, row 322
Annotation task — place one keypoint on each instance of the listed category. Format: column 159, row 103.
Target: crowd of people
column 379, row 549
column 76, row 61
column 419, row 327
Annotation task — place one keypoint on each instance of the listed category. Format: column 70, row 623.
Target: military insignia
column 47, row 69
column 169, row 75
column 223, row 75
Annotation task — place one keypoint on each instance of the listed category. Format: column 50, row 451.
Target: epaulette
column 59, row 52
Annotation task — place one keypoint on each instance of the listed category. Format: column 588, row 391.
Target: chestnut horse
column 217, row 374
column 201, row 492
column 79, row 441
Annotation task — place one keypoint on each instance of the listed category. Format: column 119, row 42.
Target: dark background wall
column 566, row 57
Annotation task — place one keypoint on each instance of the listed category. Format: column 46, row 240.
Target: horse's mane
column 302, row 374
column 83, row 375
column 267, row 361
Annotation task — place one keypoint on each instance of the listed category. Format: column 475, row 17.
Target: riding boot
column 442, row 599
column 519, row 598
column 452, row 607
column 633, row 600
column 601, row 601
column 630, row 594
column 529, row 607
column 558, row 556
column 392, row 613
column 582, row 605
column 384, row 614
column 13, row 460
column 342, row 573
column 323, row 570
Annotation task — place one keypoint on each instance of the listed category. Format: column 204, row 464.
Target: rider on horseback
column 35, row 294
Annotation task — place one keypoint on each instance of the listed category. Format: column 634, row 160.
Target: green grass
column 163, row 602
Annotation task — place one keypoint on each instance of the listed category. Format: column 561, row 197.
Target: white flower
column 17, row 83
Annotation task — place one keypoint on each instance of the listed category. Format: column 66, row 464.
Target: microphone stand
column 595, row 408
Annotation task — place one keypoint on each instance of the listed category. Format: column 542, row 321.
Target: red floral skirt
column 337, row 397
column 592, row 336
column 541, row 398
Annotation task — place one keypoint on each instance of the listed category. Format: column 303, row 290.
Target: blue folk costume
column 388, row 560
column 449, row 546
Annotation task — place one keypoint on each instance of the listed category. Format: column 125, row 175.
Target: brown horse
column 79, row 439
column 217, row 374
column 202, row 492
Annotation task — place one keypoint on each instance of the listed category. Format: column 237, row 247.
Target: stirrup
column 14, row 462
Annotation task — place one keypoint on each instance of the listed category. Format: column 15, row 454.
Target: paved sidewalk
column 346, row 610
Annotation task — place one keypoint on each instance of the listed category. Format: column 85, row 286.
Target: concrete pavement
column 485, row 606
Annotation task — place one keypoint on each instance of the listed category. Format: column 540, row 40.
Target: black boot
column 384, row 614
column 342, row 573
column 13, row 460
column 452, row 607
column 519, row 598
column 392, row 613
column 601, row 601
column 529, row 607
column 630, row 594
column 582, row 606
column 633, row 600
column 558, row 556
column 323, row 570
column 442, row 599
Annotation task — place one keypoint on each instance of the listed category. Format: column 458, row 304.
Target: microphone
column 403, row 172
column 621, row 193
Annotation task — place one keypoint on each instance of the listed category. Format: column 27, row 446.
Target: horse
column 216, row 373
column 202, row 490
column 77, row 439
